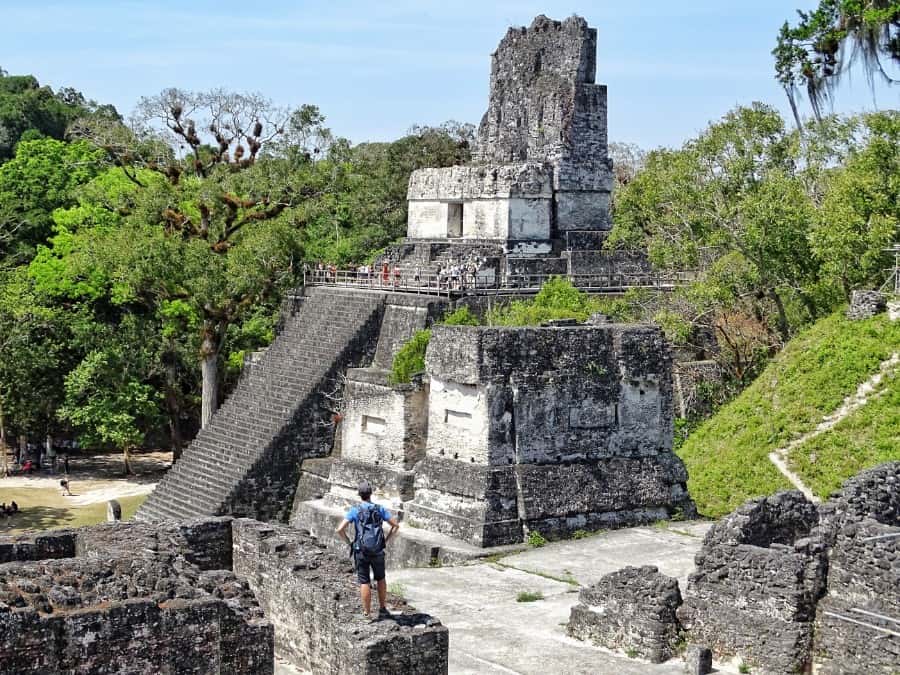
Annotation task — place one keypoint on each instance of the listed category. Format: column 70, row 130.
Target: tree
column 30, row 111
column 217, row 232
column 43, row 176
column 860, row 210
column 733, row 190
column 816, row 54
column 107, row 396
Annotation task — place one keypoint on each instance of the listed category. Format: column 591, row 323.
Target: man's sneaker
column 384, row 613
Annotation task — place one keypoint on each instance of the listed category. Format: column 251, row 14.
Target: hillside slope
column 727, row 457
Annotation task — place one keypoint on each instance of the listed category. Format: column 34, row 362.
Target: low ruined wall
column 311, row 597
column 857, row 620
column 129, row 615
column 632, row 609
column 757, row 579
column 38, row 546
column 865, row 305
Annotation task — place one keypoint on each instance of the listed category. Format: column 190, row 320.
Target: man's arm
column 394, row 527
column 341, row 531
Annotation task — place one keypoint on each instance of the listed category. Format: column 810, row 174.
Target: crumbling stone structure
column 541, row 166
column 312, row 598
column 190, row 597
column 858, row 620
column 865, row 305
column 758, row 576
column 632, row 609
column 136, row 599
column 548, row 429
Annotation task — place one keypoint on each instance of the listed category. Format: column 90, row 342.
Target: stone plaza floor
column 491, row 632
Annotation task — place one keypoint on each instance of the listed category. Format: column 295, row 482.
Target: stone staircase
column 246, row 461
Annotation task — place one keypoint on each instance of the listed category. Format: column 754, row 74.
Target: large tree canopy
column 814, row 54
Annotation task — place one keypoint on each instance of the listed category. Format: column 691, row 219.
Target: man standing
column 368, row 546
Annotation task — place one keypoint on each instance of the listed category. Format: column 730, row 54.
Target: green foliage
column 727, row 456
column 461, row 316
column 816, row 53
column 536, row 539
column 529, row 596
column 557, row 299
column 410, row 358
column 44, row 175
column 29, row 111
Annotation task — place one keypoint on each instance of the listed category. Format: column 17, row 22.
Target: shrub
column 536, row 539
column 410, row 358
column 529, row 596
column 461, row 316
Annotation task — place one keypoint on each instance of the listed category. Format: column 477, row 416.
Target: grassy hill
column 727, row 457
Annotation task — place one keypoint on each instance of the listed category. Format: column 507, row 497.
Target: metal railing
column 490, row 283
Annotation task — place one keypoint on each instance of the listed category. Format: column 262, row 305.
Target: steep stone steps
column 246, row 461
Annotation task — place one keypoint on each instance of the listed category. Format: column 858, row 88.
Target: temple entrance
column 454, row 220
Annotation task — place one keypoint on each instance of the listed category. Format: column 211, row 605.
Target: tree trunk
column 783, row 327
column 3, row 441
column 173, row 408
column 126, row 456
column 209, row 366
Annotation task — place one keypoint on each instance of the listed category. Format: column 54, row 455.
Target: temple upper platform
column 541, row 168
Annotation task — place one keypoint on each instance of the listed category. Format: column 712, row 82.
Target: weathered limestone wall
column 519, row 417
column 137, row 599
column 383, row 436
column 545, row 106
column 632, row 609
column 861, row 608
column 758, row 576
column 311, row 597
column 504, row 202
column 865, row 305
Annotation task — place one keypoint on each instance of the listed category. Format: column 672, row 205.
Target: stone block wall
column 136, row 599
column 632, row 609
column 519, row 417
column 383, row 436
column 858, row 619
column 865, row 305
column 757, row 579
column 312, row 599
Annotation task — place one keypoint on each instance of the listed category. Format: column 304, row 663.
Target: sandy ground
column 98, row 477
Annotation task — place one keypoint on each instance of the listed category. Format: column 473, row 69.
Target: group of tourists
column 451, row 275
column 8, row 512
column 29, row 458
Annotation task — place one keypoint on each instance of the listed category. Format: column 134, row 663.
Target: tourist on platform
column 28, row 467
column 367, row 547
column 396, row 276
column 64, row 488
column 385, row 274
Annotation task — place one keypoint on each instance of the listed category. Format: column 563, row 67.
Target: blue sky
column 376, row 67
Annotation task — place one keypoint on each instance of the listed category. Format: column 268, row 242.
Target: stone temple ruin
column 508, row 431
column 780, row 585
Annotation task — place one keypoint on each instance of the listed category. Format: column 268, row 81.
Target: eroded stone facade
column 632, row 610
column 548, row 429
column 541, row 164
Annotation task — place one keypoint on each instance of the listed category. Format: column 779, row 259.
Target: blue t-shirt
column 353, row 513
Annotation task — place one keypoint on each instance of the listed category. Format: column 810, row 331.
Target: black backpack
column 369, row 533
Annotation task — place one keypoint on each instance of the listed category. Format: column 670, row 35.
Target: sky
column 377, row 67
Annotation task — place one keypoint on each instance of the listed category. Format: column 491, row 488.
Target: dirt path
column 864, row 393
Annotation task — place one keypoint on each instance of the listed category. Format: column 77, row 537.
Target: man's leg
column 365, row 593
column 382, row 593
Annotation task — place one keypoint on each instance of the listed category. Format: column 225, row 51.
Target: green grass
column 397, row 589
column 46, row 509
column 727, row 456
column 869, row 435
column 536, row 539
column 529, row 596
